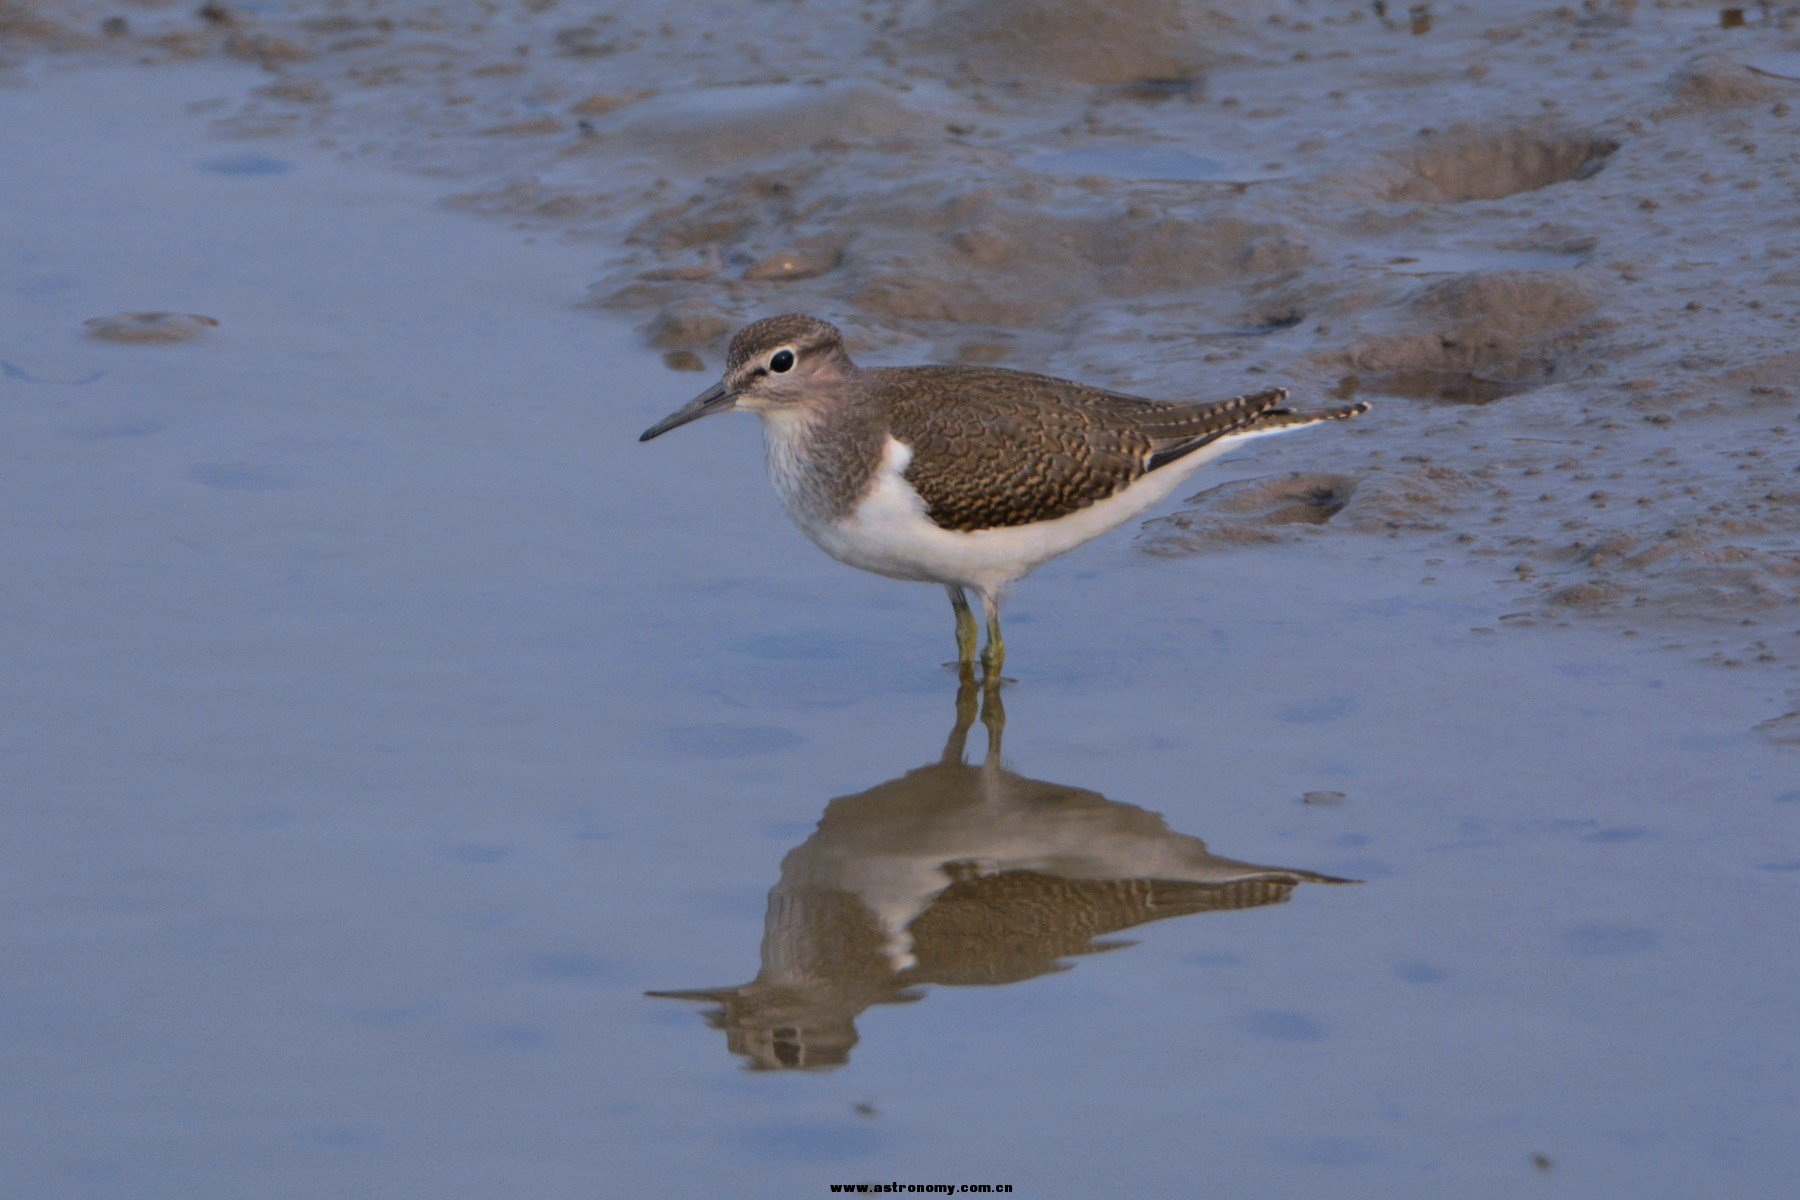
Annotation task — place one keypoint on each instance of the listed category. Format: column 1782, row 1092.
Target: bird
column 965, row 476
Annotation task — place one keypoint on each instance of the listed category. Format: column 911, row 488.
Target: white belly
column 890, row 534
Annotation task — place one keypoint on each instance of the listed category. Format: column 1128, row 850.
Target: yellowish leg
column 993, row 655
column 966, row 633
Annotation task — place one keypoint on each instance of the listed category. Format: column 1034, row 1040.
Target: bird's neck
column 821, row 456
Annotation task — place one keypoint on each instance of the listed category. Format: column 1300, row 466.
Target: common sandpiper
column 963, row 476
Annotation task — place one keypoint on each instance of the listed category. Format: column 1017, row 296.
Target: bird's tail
column 1179, row 431
column 1283, row 417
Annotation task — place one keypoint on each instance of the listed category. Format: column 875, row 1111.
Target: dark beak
column 715, row 399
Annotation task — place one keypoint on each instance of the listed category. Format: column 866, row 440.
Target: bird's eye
column 781, row 361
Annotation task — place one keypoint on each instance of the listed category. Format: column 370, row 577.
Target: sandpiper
column 967, row 477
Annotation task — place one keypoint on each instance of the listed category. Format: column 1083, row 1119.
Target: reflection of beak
column 717, row 398
column 706, row 995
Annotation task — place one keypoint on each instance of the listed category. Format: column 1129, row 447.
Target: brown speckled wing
column 994, row 448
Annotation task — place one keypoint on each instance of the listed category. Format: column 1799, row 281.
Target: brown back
column 994, row 448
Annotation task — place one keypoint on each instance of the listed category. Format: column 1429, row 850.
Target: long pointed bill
column 717, row 398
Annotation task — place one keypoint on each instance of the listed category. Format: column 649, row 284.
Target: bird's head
column 772, row 364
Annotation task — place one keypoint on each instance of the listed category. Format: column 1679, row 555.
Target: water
column 1781, row 64
column 384, row 723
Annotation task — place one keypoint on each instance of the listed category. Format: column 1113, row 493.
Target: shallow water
column 386, row 723
column 1779, row 64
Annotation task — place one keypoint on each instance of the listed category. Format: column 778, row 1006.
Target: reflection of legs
column 965, row 717
column 993, row 655
column 965, row 628
column 993, row 717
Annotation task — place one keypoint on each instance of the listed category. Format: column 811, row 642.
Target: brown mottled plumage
column 994, row 448
column 965, row 476
column 989, row 929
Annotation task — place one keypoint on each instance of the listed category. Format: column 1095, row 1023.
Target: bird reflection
column 959, row 874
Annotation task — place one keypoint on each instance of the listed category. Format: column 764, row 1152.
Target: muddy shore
column 1558, row 247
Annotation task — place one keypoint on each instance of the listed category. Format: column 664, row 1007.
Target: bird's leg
column 965, row 629
column 993, row 655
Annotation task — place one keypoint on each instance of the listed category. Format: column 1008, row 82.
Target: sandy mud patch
column 149, row 327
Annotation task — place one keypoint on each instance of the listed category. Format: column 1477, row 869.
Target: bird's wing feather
column 994, row 448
